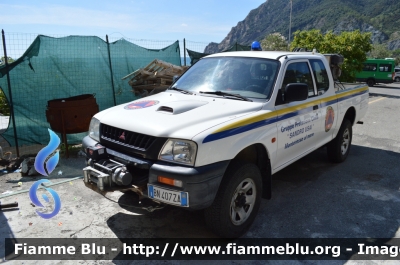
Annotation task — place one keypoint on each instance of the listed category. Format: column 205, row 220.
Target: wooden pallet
column 154, row 78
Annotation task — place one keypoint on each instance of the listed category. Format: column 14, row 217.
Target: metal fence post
column 184, row 51
column 111, row 70
column 9, row 91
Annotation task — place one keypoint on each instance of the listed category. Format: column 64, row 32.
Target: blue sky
column 195, row 20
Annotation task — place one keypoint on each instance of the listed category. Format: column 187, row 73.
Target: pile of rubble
column 23, row 164
column 156, row 77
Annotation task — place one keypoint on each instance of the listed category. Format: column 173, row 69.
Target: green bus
column 377, row 71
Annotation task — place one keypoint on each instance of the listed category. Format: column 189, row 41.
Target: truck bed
column 341, row 87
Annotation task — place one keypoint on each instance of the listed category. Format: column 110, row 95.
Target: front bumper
column 201, row 183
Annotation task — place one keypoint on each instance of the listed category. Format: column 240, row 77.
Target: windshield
column 244, row 76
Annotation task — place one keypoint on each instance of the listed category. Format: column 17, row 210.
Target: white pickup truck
column 215, row 137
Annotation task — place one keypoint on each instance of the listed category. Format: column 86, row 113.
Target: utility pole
column 290, row 21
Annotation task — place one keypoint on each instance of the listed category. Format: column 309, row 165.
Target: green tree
column 4, row 107
column 353, row 45
column 379, row 51
column 274, row 42
column 396, row 55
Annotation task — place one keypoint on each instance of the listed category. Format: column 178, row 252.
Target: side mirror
column 296, row 92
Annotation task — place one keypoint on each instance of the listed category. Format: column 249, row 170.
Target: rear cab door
column 329, row 103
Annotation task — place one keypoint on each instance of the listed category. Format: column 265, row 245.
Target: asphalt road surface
column 311, row 198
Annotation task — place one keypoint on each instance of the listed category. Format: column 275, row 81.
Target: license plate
column 178, row 198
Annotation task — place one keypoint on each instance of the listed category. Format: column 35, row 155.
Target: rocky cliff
column 380, row 17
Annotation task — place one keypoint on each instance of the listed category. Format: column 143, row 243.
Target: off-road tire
column 339, row 148
column 230, row 200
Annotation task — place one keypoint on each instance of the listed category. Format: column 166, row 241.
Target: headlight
column 94, row 129
column 179, row 151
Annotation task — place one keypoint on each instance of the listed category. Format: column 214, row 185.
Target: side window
column 385, row 68
column 369, row 67
column 320, row 76
column 299, row 73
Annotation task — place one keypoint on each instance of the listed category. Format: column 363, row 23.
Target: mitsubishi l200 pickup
column 214, row 138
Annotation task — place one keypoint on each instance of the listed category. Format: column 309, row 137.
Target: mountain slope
column 380, row 17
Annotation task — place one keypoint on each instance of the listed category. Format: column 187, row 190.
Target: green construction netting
column 54, row 68
column 195, row 56
column 237, row 47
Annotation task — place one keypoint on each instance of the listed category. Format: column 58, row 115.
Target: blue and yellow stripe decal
column 252, row 123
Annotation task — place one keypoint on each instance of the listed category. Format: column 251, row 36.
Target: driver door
column 298, row 121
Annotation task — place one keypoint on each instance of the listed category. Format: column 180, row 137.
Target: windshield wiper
column 223, row 94
column 181, row 90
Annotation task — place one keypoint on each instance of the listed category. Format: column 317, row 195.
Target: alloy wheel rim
column 345, row 141
column 243, row 201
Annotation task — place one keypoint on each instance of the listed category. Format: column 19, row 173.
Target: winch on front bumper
column 108, row 174
column 109, row 170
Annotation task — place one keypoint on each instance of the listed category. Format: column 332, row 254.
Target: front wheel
column 237, row 201
column 397, row 79
column 339, row 148
column 370, row 82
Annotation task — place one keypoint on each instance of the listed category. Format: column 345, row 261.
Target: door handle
column 315, row 107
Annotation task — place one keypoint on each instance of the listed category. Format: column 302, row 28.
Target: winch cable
column 149, row 209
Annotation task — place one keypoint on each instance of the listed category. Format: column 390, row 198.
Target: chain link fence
column 193, row 46
column 43, row 68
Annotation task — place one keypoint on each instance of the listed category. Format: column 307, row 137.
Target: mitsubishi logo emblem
column 122, row 137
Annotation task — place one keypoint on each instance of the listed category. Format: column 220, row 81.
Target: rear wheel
column 237, row 202
column 339, row 148
column 397, row 79
column 370, row 82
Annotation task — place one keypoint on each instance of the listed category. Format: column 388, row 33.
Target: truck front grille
column 126, row 138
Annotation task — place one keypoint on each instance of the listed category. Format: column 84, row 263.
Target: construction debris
column 156, row 77
column 27, row 167
column 13, row 164
column 8, row 205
